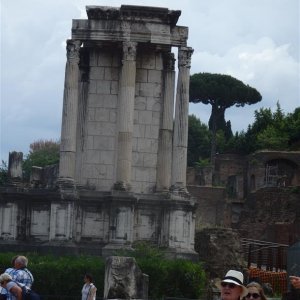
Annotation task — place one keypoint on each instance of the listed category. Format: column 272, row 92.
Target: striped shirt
column 22, row 276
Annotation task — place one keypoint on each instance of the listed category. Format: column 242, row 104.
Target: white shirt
column 88, row 292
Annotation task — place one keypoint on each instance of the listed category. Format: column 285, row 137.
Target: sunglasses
column 229, row 284
column 254, row 295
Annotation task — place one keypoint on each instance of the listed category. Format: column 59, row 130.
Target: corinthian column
column 125, row 116
column 164, row 164
column 69, row 116
column 180, row 138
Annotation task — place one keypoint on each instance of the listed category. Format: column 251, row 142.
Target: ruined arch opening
column 279, row 172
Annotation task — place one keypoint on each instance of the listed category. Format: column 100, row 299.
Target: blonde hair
column 5, row 277
column 22, row 260
column 259, row 288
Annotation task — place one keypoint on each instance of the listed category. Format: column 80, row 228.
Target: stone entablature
column 134, row 13
column 139, row 23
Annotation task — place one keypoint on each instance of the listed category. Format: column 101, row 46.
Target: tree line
column 270, row 130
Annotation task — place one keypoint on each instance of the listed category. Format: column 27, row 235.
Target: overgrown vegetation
column 63, row 275
column 3, row 173
column 42, row 153
column 270, row 131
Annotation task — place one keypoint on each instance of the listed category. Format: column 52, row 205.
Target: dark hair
column 14, row 259
column 89, row 277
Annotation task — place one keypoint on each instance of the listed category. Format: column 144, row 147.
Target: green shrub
column 63, row 275
column 60, row 275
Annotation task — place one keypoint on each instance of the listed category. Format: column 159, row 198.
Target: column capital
column 184, row 56
column 73, row 47
column 169, row 61
column 129, row 50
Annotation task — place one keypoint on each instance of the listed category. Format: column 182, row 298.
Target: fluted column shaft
column 70, row 110
column 180, row 137
column 164, row 165
column 125, row 115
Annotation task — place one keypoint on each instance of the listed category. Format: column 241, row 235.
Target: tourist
column 255, row 291
column 19, row 273
column 3, row 291
column 15, row 292
column 89, row 290
column 295, row 281
column 11, row 269
column 232, row 287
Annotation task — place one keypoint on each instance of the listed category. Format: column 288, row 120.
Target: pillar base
column 67, row 188
column 121, row 186
column 179, row 190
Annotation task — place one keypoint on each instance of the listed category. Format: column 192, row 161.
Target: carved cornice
column 184, row 56
column 73, row 48
column 169, row 61
column 140, row 32
column 102, row 12
column 132, row 12
column 129, row 51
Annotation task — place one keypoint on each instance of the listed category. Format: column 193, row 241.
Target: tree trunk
column 213, row 148
column 216, row 113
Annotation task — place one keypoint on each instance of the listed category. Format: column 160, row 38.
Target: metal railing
column 265, row 255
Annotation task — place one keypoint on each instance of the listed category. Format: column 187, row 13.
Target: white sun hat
column 235, row 277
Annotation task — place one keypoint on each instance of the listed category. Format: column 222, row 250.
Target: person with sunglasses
column 232, row 286
column 255, row 291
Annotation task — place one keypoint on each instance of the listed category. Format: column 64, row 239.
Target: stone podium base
column 115, row 249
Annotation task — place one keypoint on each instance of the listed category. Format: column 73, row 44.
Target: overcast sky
column 256, row 41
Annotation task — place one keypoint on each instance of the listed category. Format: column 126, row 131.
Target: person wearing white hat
column 232, row 286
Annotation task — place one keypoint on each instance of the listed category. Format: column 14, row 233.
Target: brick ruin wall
column 272, row 214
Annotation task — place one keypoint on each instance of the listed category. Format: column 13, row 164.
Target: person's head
column 13, row 260
column 88, row 278
column 21, row 262
column 4, row 279
column 255, row 292
column 232, row 287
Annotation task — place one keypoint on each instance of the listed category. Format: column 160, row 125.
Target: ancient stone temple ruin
column 122, row 171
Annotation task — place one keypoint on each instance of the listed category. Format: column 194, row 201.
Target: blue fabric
column 21, row 276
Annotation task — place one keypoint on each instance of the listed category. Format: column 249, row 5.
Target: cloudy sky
column 256, row 41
